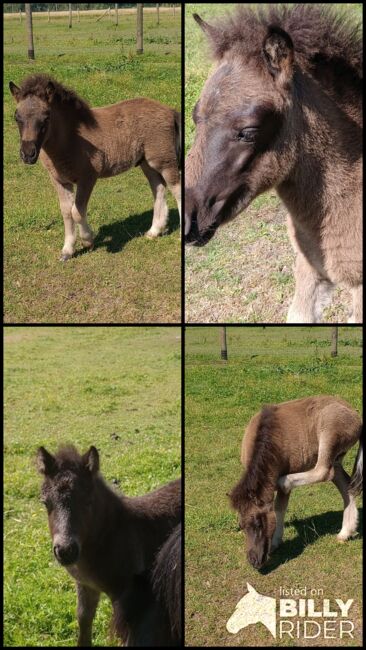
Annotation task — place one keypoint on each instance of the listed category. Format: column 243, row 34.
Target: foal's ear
column 15, row 91
column 49, row 92
column 278, row 52
column 91, row 460
column 209, row 30
column 46, row 463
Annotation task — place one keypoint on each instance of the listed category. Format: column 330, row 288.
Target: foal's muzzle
column 66, row 554
column 255, row 560
column 29, row 153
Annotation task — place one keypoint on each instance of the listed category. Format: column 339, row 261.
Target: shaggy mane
column 257, row 478
column 321, row 36
column 36, row 84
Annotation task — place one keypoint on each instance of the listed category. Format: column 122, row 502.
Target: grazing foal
column 78, row 144
column 110, row 543
column 287, row 445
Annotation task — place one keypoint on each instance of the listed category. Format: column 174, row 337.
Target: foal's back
column 296, row 427
column 132, row 131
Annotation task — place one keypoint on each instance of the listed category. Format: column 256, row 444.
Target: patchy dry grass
column 245, row 273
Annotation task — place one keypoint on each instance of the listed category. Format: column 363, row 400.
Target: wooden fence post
column 223, row 344
column 28, row 18
column 334, row 350
column 139, row 27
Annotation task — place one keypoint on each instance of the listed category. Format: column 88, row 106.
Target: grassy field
column 265, row 366
column 127, row 278
column 79, row 385
column 225, row 280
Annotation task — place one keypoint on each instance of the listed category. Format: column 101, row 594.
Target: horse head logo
column 253, row 608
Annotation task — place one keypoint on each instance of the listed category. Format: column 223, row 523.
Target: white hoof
column 88, row 244
column 152, row 234
column 283, row 485
column 65, row 257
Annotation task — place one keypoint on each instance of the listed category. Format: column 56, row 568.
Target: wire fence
column 205, row 343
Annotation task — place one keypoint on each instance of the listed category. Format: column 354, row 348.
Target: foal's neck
column 62, row 133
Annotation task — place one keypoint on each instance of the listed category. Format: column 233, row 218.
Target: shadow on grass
column 113, row 237
column 308, row 531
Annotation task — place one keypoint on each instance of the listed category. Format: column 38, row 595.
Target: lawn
column 124, row 280
column 226, row 280
column 265, row 366
column 116, row 388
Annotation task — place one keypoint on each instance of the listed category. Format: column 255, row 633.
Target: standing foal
column 110, row 543
column 78, row 144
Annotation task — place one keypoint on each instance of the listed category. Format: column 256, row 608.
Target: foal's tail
column 178, row 137
column 357, row 473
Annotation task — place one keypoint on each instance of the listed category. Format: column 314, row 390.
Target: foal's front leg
column 87, row 606
column 280, row 506
column 312, row 294
column 66, row 199
column 83, row 192
column 356, row 316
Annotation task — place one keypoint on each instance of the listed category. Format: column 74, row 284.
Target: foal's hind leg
column 312, row 294
column 323, row 471
column 350, row 515
column 280, row 506
column 172, row 179
column 157, row 184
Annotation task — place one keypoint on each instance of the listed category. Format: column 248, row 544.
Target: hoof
column 342, row 537
column 282, row 485
column 65, row 257
column 150, row 234
column 88, row 244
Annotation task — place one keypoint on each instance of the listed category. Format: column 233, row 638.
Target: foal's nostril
column 28, row 153
column 66, row 554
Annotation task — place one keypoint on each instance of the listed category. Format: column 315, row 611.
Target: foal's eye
column 247, row 135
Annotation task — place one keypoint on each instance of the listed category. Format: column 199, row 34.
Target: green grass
column 265, row 366
column 227, row 280
column 125, row 278
column 79, row 385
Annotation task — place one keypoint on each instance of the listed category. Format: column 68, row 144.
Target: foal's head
column 259, row 524
column 68, row 492
column 32, row 116
column 239, row 120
